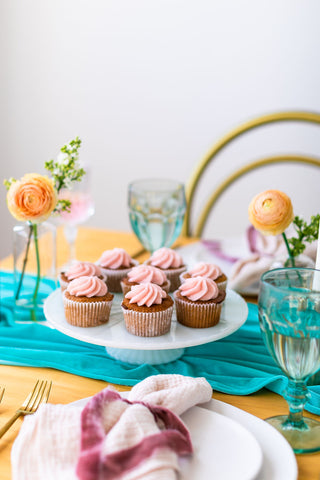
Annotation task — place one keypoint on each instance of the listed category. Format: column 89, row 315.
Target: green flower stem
column 36, row 244
column 289, row 250
column 24, row 262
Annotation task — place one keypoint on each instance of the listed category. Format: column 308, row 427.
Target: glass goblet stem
column 70, row 232
column 296, row 394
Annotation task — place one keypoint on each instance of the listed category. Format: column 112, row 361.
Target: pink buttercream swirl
column 147, row 273
column 115, row 258
column 166, row 258
column 199, row 288
column 208, row 270
column 87, row 287
column 80, row 269
column 146, row 294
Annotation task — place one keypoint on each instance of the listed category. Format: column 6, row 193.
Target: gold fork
column 2, row 390
column 39, row 394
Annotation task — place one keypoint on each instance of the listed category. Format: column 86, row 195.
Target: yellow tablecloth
column 68, row 388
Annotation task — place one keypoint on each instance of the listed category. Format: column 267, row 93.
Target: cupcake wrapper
column 145, row 324
column 222, row 285
column 174, row 277
column 114, row 277
column 125, row 288
column 197, row 315
column 63, row 285
column 90, row 314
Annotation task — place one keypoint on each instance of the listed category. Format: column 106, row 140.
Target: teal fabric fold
column 239, row 364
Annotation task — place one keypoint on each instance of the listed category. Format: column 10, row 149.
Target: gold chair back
column 246, row 127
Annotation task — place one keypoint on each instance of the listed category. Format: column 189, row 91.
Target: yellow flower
column 33, row 198
column 271, row 212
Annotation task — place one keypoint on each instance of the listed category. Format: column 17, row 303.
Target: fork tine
column 39, row 394
column 42, row 395
column 33, row 402
column 47, row 394
column 29, row 397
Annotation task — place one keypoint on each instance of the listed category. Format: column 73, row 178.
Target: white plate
column 279, row 461
column 114, row 333
column 223, row 449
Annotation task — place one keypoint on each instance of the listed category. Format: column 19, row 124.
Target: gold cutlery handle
column 10, row 422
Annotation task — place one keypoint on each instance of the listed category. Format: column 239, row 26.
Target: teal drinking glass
column 289, row 316
column 156, row 211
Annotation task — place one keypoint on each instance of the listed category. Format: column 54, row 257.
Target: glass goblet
column 289, row 316
column 82, row 208
column 156, row 211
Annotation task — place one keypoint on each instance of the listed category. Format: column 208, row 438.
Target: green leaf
column 306, row 233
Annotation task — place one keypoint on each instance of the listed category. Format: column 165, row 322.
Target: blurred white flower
column 63, row 158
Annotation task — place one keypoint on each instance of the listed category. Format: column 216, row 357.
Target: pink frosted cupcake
column 80, row 269
column 145, row 274
column 207, row 270
column 116, row 264
column 171, row 263
column 147, row 310
column 198, row 302
column 87, row 302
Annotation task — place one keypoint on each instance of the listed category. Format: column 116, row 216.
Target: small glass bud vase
column 301, row 261
column 34, row 255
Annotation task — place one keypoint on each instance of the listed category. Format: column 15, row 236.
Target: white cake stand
column 129, row 348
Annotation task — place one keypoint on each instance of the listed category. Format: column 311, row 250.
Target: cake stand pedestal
column 123, row 346
column 139, row 357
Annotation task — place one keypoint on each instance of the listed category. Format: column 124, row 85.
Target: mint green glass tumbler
column 156, row 211
column 289, row 316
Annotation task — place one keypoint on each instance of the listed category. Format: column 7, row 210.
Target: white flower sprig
column 66, row 170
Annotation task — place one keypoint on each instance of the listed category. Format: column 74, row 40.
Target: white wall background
column 149, row 86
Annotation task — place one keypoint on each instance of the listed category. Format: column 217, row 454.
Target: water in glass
column 289, row 315
column 156, row 211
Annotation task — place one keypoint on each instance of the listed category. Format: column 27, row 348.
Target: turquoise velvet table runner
column 238, row 364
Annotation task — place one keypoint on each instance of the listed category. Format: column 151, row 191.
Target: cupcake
column 80, row 269
column 147, row 310
column 145, row 274
column 87, row 302
column 171, row 263
column 198, row 302
column 116, row 264
column 207, row 270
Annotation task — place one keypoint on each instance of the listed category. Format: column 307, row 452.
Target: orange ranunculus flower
column 271, row 212
column 33, row 198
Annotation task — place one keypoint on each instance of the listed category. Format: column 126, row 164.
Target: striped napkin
column 140, row 437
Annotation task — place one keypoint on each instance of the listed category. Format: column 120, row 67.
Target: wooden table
column 68, row 388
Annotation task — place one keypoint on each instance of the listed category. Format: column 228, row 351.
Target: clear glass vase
column 34, row 254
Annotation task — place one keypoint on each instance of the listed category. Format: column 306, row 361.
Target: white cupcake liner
column 221, row 285
column 197, row 315
column 114, row 277
column 174, row 277
column 148, row 324
column 86, row 314
column 63, row 284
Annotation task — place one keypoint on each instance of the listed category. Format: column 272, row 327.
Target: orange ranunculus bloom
column 271, row 212
column 33, row 198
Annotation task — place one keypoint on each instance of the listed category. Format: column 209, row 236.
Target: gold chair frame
column 196, row 175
